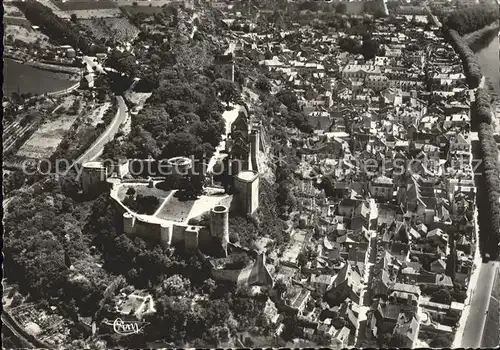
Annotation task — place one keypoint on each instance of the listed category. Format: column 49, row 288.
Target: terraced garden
column 116, row 28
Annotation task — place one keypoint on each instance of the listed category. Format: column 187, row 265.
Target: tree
column 73, row 17
column 369, row 48
column 442, row 296
column 263, row 85
column 227, row 89
column 441, row 341
column 285, row 198
column 398, row 341
column 341, row 8
column 384, row 339
column 123, row 62
column 350, row 45
column 130, row 191
column 176, row 285
column 208, row 286
column 180, row 144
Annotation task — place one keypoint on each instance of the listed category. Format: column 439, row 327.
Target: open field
column 117, row 28
column 175, row 210
column 78, row 5
column 148, row 10
column 26, row 35
column 46, row 139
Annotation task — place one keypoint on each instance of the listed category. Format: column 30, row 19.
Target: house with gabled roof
column 361, row 217
column 348, row 281
column 408, row 326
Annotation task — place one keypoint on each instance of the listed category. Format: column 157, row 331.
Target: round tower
column 219, row 225
column 246, row 184
column 128, row 223
column 166, row 235
column 179, row 165
column 94, row 174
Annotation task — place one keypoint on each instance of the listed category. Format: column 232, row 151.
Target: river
column 23, row 78
column 490, row 63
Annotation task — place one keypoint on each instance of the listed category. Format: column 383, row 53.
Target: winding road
column 97, row 147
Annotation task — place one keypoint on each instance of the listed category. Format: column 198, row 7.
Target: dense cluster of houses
column 389, row 250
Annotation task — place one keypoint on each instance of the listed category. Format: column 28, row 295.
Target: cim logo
column 128, row 327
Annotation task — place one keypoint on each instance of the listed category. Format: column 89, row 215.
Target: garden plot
column 26, row 35
column 46, row 139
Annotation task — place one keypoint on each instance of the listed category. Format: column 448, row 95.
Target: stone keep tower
column 94, row 174
column 224, row 65
column 219, row 225
column 246, row 184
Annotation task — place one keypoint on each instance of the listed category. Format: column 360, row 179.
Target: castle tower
column 94, row 175
column 180, row 166
column 224, row 64
column 246, row 184
column 191, row 238
column 166, row 235
column 254, row 149
column 219, row 225
column 128, row 223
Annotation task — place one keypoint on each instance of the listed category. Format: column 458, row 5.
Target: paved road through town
column 473, row 332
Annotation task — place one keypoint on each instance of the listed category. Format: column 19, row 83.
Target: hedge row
column 481, row 109
column 489, row 192
column 470, row 63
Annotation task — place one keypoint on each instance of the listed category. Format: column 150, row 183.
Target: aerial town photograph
column 251, row 173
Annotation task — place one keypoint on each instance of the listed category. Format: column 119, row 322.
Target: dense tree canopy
column 472, row 18
column 124, row 62
column 57, row 29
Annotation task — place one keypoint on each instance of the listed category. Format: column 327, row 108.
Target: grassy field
column 176, row 210
column 149, row 10
column 47, row 138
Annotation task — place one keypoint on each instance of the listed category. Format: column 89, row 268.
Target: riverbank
column 481, row 38
column 486, row 49
column 22, row 78
column 54, row 68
